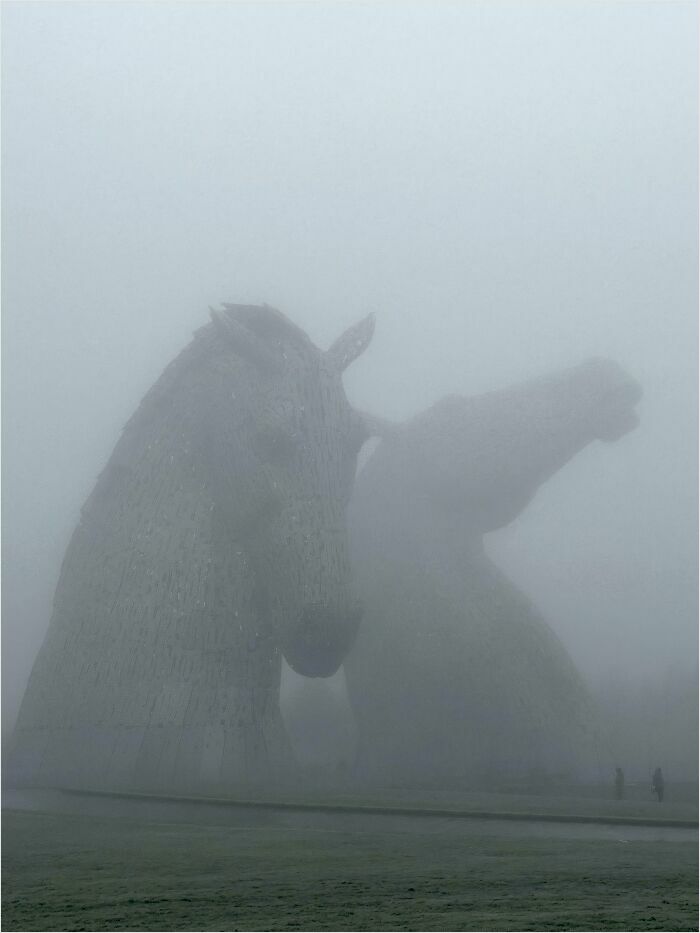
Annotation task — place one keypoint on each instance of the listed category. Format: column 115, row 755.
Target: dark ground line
column 435, row 812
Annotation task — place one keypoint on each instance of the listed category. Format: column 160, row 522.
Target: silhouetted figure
column 657, row 783
column 619, row 783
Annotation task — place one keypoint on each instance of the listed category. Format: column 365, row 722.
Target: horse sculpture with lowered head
column 213, row 544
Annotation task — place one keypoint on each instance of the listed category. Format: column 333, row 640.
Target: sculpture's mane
column 265, row 323
column 205, row 342
column 268, row 323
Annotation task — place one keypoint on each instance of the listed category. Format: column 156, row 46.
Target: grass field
column 201, row 868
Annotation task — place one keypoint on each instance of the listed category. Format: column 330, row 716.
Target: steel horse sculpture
column 455, row 674
column 214, row 543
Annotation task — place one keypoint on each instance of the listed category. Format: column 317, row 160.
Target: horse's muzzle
column 318, row 642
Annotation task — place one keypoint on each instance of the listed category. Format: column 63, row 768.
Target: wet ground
column 88, row 863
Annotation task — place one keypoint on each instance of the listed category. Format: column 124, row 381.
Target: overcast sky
column 510, row 186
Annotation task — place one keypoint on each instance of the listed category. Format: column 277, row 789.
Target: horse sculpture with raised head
column 213, row 544
column 455, row 673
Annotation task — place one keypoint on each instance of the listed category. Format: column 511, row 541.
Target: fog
column 511, row 187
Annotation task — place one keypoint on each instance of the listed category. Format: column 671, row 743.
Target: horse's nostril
column 626, row 393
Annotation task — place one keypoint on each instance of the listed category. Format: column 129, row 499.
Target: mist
column 510, row 187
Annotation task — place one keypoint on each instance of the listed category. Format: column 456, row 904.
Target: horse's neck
column 412, row 532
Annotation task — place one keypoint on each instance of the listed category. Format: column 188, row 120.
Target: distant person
column 619, row 783
column 657, row 784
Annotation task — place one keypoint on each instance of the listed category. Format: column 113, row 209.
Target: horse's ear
column 351, row 344
column 245, row 344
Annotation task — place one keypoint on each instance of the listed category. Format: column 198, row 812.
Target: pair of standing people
column 657, row 784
